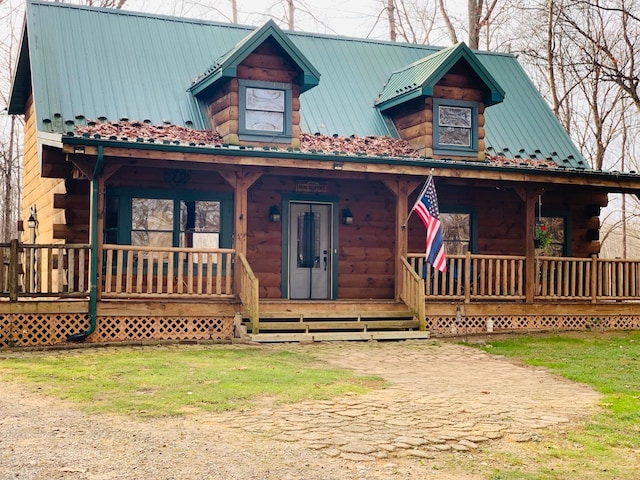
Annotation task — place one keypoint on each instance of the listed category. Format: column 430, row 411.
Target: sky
column 341, row 17
column 353, row 18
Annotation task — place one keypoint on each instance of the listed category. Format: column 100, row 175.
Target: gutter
column 93, row 260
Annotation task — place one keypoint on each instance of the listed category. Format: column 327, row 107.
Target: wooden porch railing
column 39, row 270
column 59, row 270
column 473, row 277
column 130, row 271
column 412, row 293
column 249, row 292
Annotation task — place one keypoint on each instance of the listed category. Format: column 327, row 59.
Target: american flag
column 427, row 209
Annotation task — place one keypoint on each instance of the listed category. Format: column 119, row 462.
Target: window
column 557, row 228
column 456, row 229
column 265, row 111
column 168, row 218
column 455, row 127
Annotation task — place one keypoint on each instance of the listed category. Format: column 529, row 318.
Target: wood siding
column 37, row 191
column 365, row 248
column 414, row 119
column 500, row 217
column 268, row 63
column 144, row 177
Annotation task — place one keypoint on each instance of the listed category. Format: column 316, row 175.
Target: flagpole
column 424, row 189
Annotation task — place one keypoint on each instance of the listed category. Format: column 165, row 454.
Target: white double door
column 310, row 249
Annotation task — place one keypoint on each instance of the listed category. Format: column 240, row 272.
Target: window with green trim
column 265, row 111
column 556, row 226
column 456, row 230
column 455, row 127
column 168, row 218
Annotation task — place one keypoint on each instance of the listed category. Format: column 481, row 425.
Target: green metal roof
column 88, row 63
column 420, row 78
column 226, row 66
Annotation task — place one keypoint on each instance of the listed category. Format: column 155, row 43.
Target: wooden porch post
column 241, row 181
column 401, row 190
column 529, row 197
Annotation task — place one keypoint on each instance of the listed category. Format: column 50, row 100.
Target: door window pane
column 308, row 247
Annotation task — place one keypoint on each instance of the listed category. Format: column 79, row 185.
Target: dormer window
column 265, row 111
column 455, row 128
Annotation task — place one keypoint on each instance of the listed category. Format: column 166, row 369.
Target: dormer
column 437, row 103
column 252, row 93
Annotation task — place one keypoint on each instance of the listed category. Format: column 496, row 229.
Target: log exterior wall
column 143, row 177
column 268, row 64
column 365, row 248
column 414, row 120
column 500, row 214
column 38, row 191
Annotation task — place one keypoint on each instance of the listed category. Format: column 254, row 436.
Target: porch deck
column 188, row 294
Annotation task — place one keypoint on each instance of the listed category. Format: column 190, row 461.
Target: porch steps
column 287, row 321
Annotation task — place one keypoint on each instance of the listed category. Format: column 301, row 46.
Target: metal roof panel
column 92, row 63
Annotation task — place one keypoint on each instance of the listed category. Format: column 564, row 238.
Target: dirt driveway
column 445, row 402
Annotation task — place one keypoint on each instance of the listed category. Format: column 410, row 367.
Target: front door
column 310, row 250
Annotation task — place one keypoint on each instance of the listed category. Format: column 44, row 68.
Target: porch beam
column 241, row 181
column 401, row 190
column 529, row 197
column 618, row 184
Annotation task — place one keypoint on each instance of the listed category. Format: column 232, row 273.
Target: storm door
column 309, row 250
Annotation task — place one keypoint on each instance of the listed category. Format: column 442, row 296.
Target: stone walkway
column 441, row 397
column 444, row 404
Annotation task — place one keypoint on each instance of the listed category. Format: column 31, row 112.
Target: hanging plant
column 542, row 237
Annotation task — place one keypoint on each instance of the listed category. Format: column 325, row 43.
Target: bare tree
column 610, row 40
column 451, row 31
column 97, row 3
column 10, row 127
column 391, row 17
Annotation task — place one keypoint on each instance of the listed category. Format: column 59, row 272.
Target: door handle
column 325, row 258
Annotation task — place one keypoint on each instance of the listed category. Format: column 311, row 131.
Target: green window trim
column 440, row 127
column 472, row 214
column 281, row 111
column 119, row 221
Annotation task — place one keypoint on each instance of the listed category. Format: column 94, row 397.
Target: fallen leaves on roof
column 126, row 130
column 500, row 161
column 382, row 146
column 354, row 145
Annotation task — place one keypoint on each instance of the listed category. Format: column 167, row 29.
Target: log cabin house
column 187, row 179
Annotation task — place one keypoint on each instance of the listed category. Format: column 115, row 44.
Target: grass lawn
column 608, row 446
column 179, row 380
column 158, row 381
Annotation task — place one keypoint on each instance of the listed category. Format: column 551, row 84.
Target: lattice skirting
column 476, row 324
column 30, row 330
column 120, row 329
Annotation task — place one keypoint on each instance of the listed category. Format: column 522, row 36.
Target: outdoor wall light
column 347, row 217
column 32, row 223
column 274, row 214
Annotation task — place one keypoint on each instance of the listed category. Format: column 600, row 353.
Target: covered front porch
column 145, row 293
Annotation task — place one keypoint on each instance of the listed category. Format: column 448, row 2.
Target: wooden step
column 338, row 336
column 323, row 314
column 316, row 325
